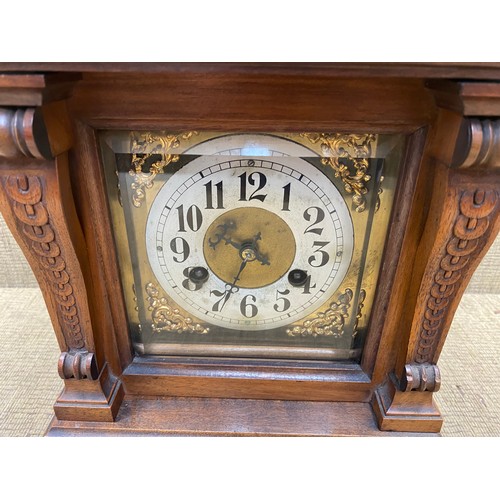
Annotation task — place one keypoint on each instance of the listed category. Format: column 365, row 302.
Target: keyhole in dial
column 198, row 275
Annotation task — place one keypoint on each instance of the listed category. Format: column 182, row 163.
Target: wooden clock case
column 444, row 219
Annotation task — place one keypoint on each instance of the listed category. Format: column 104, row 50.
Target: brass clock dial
column 249, row 243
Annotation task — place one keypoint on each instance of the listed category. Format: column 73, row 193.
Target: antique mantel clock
column 250, row 249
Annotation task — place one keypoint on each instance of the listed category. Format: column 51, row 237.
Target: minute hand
column 233, row 284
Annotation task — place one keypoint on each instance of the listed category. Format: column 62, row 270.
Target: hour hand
column 223, row 229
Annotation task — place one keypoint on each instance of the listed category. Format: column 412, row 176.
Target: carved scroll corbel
column 463, row 222
column 31, row 184
column 468, row 225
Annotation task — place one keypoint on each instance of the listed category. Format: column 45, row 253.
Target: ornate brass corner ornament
column 144, row 146
column 329, row 323
column 167, row 319
column 345, row 154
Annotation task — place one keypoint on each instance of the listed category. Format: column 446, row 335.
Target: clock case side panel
column 405, row 229
column 89, row 184
column 38, row 205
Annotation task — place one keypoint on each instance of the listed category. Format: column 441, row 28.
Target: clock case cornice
column 452, row 129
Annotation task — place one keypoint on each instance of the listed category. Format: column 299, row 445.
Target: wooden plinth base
column 405, row 411
column 230, row 417
column 90, row 399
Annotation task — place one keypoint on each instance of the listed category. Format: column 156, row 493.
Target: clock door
column 250, row 245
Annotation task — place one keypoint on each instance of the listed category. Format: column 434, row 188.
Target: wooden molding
column 468, row 98
column 463, row 70
column 452, row 263
column 164, row 416
column 22, row 89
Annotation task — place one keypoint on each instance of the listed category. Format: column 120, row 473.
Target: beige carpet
column 469, row 397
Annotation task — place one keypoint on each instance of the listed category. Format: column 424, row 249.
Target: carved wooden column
column 463, row 221
column 37, row 204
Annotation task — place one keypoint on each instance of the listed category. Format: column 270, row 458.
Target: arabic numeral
column 308, row 287
column 315, row 218
column 188, row 284
column 218, row 195
column 286, row 198
column 320, row 257
column 217, row 307
column 180, row 247
column 248, row 309
column 194, row 218
column 254, row 179
column 284, row 304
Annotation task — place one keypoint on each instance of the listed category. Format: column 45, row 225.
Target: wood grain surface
column 230, row 417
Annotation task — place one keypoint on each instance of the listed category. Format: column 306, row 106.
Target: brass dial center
column 255, row 235
column 248, row 254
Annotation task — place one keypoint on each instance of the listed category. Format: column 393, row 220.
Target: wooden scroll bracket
column 463, row 221
column 36, row 202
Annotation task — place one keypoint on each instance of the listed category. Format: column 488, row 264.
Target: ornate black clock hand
column 225, row 228
column 261, row 258
column 232, row 288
